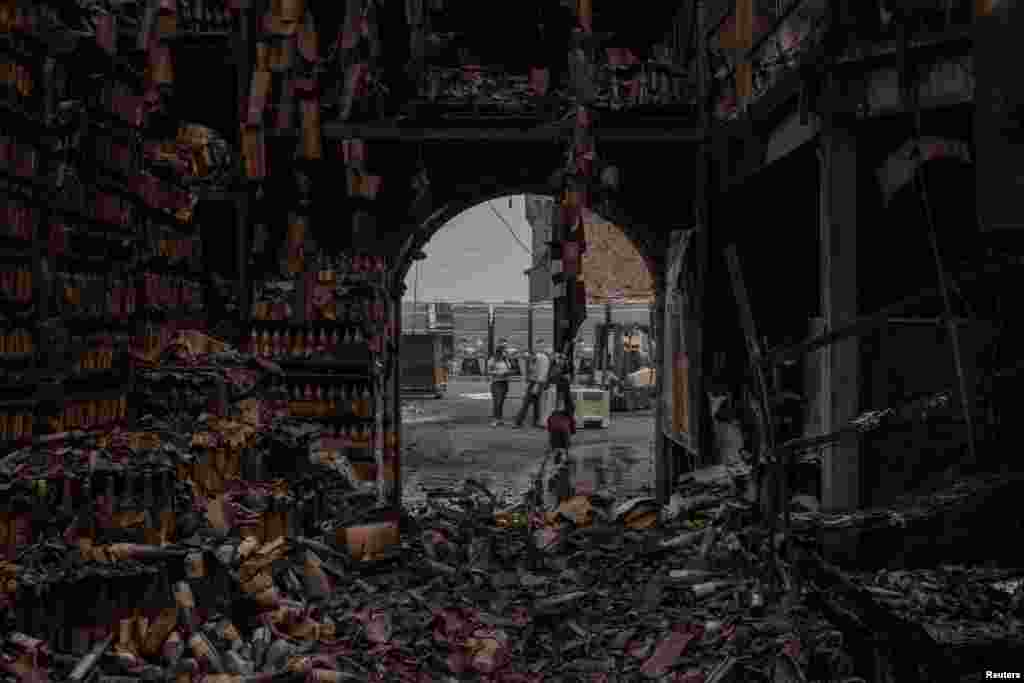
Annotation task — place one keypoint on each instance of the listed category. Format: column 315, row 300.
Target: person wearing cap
column 537, row 384
column 499, row 370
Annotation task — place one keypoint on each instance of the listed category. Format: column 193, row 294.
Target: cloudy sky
column 475, row 256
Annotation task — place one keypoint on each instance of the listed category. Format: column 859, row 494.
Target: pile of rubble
column 592, row 590
column 468, row 593
column 195, row 555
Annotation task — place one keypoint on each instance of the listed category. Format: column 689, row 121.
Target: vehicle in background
column 424, row 372
column 592, row 404
column 472, row 366
column 623, row 364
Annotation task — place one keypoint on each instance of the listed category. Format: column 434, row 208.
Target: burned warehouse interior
column 770, row 347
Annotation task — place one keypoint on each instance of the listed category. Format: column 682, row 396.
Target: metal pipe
column 951, row 327
column 490, row 331
column 529, row 329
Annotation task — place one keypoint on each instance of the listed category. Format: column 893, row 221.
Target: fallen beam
column 902, row 649
column 398, row 133
column 956, row 41
column 857, row 327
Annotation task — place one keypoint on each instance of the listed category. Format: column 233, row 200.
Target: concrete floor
column 449, row 440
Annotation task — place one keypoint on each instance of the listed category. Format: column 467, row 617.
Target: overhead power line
column 510, row 230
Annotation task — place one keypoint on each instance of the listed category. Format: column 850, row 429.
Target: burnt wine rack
column 101, row 279
column 329, row 331
column 95, row 260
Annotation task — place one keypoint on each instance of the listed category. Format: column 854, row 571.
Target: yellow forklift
column 624, row 365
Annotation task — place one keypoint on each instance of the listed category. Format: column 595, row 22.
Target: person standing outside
column 537, row 384
column 499, row 370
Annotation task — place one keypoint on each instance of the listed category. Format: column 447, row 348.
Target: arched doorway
column 466, row 438
column 501, row 455
column 618, row 267
column 640, row 237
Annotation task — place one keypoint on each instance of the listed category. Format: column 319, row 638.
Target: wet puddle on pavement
column 619, row 470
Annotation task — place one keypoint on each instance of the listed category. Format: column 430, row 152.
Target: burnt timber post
column 840, row 372
column 663, row 467
column 397, row 293
column 704, row 188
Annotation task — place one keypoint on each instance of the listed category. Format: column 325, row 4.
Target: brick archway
column 638, row 236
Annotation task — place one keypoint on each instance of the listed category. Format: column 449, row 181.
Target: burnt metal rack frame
column 782, row 456
column 779, row 457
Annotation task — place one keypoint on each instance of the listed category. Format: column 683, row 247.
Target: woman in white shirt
column 499, row 369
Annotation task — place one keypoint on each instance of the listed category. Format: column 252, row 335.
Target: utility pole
column 601, row 344
column 490, row 330
column 574, row 197
column 415, row 296
column 529, row 328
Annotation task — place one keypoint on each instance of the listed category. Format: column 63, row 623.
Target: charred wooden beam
column 398, row 133
column 860, row 325
column 901, row 648
column 954, row 42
